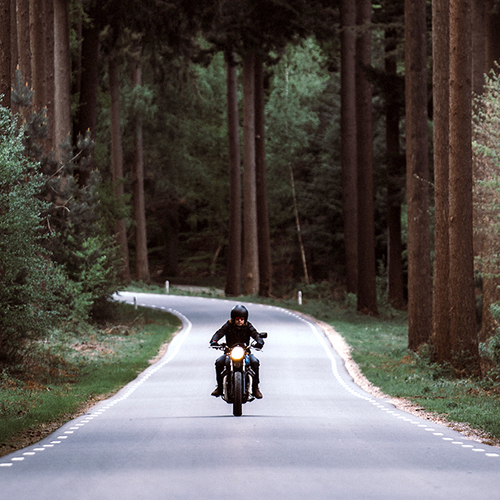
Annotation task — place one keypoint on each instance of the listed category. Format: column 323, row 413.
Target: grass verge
column 73, row 369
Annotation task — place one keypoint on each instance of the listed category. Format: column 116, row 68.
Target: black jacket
column 237, row 334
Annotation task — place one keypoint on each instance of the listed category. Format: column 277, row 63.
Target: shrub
column 26, row 273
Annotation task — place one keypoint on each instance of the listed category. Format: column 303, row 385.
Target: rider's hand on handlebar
column 214, row 344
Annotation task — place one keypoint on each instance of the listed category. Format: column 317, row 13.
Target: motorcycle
column 238, row 375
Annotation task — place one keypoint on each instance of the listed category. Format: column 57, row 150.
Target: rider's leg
column 255, row 364
column 219, row 367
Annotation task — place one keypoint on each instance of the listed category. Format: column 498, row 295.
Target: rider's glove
column 213, row 343
column 259, row 345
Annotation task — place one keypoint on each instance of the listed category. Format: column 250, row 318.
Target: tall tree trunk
column 141, row 246
column 233, row 273
column 478, row 45
column 87, row 114
column 264, row 239
column 14, row 51
column 367, row 294
column 62, row 63
column 492, row 48
column 117, row 162
column 76, row 56
column 441, row 100
column 86, row 118
column 417, row 176
column 251, row 252
column 37, row 45
column 464, row 339
column 395, row 285
column 23, row 39
column 48, row 26
column 348, row 142
column 5, row 52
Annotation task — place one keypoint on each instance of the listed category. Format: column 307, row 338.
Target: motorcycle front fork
column 248, row 377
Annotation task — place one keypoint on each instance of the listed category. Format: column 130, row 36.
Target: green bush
column 81, row 241
column 26, row 272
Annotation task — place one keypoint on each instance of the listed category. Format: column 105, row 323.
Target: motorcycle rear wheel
column 238, row 394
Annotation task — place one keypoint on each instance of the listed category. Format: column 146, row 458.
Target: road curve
column 315, row 435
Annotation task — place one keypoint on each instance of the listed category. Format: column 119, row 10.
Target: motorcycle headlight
column 237, row 353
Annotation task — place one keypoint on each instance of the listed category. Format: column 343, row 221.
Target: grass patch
column 78, row 365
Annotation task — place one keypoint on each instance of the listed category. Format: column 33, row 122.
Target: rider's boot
column 256, row 391
column 217, row 391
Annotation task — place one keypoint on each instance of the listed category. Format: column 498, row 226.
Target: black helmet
column 239, row 311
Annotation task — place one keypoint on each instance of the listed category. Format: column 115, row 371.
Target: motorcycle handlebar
column 220, row 347
column 223, row 347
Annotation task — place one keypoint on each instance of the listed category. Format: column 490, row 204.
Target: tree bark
column 251, row 252
column 86, row 118
column 48, row 32
column 62, row 63
column 23, row 39
column 492, row 43
column 348, row 143
column 367, row 295
column 478, row 45
column 417, row 176
column 87, row 115
column 463, row 332
column 76, row 56
column 14, row 51
column 141, row 246
column 441, row 99
column 395, row 285
column 5, row 53
column 264, row 239
column 37, row 44
column 117, row 163
column 233, row 273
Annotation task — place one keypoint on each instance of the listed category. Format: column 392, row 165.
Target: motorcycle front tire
column 238, row 394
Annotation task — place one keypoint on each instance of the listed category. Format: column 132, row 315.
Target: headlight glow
column 237, row 353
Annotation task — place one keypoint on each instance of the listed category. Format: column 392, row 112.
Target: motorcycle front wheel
column 238, row 394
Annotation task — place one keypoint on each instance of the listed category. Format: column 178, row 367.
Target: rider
column 237, row 330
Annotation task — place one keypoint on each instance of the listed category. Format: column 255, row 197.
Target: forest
column 343, row 148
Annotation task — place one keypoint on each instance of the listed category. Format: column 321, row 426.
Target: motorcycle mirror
column 263, row 335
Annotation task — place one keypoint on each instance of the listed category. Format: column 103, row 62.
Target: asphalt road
column 315, row 435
